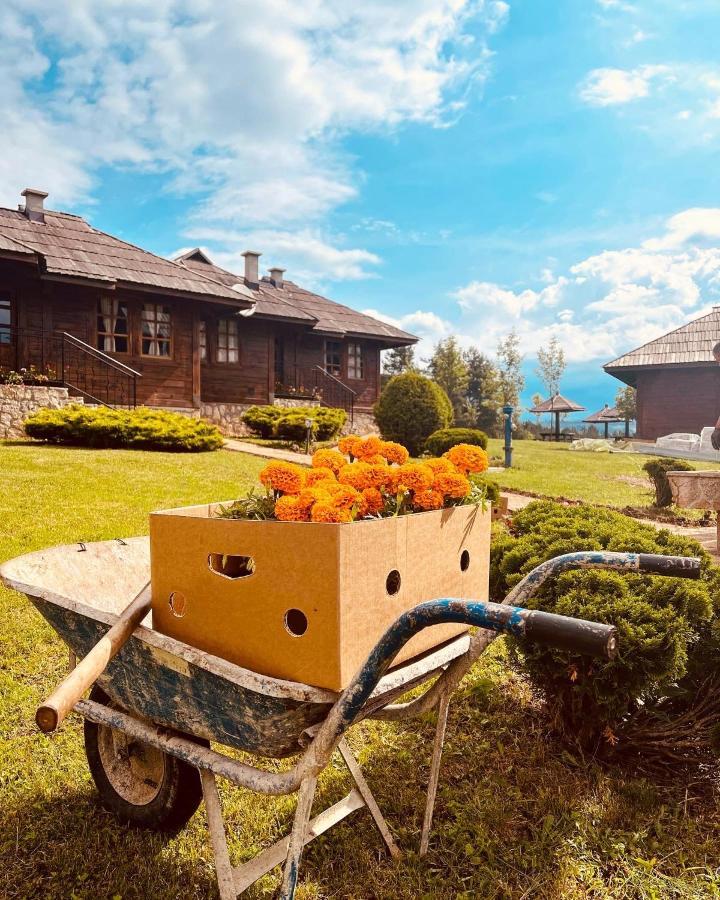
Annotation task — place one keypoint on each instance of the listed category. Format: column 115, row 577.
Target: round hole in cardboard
column 393, row 582
column 296, row 622
column 177, row 604
column 465, row 560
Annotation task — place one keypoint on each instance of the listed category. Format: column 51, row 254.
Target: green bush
column 265, row 421
column 410, row 409
column 662, row 623
column 492, row 489
column 262, row 419
column 139, row 429
column 441, row 441
column 657, row 470
column 291, row 427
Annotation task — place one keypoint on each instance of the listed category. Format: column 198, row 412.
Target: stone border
column 18, row 401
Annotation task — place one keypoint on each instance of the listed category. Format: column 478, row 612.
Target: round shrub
column 291, row 426
column 657, row 470
column 441, row 441
column 329, row 421
column 262, row 419
column 140, row 429
column 660, row 621
column 410, row 409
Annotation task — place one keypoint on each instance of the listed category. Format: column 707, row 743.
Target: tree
column 399, row 360
column 536, row 401
column 410, row 409
column 551, row 365
column 511, row 378
column 448, row 368
column 483, row 399
column 626, row 405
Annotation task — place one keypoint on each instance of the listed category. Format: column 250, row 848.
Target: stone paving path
column 707, row 536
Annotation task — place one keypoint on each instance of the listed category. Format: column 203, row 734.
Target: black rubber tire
column 176, row 800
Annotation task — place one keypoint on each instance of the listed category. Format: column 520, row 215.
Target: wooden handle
column 51, row 713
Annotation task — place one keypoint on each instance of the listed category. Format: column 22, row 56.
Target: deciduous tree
column 448, row 368
column 551, row 365
column 512, row 380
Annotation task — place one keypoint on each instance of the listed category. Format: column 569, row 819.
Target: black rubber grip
column 576, row 635
column 672, row 566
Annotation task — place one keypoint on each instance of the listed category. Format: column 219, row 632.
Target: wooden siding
column 682, row 399
column 250, row 379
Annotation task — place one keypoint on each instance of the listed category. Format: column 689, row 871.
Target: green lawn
column 517, row 817
column 553, row 470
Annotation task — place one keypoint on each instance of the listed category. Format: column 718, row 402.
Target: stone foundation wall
column 18, row 401
column 227, row 417
column 293, row 403
column 363, row 423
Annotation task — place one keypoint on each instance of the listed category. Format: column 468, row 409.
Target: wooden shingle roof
column 690, row 344
column 69, row 247
column 557, row 403
column 606, row 414
column 294, row 303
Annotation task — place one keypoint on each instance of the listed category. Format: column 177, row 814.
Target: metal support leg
column 367, row 796
column 226, row 883
column 443, row 706
column 297, row 838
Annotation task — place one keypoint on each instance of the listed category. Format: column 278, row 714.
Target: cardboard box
column 316, row 597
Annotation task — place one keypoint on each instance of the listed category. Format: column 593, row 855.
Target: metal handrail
column 335, row 379
column 88, row 348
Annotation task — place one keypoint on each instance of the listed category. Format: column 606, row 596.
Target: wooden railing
column 329, row 390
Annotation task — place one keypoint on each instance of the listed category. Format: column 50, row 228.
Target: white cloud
column 237, row 103
column 427, row 326
column 692, row 225
column 608, row 87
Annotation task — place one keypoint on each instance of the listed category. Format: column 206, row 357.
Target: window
column 355, row 361
column 333, row 357
column 156, row 330
column 202, row 339
column 112, row 326
column 227, row 343
column 5, row 319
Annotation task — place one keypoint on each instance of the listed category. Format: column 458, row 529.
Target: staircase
column 329, row 390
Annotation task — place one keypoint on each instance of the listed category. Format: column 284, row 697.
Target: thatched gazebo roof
column 606, row 414
column 557, row 404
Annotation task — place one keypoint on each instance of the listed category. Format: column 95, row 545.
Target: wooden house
column 121, row 326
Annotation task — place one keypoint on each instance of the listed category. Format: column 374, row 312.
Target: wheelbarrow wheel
column 142, row 785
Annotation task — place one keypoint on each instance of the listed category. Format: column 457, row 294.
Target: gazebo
column 604, row 416
column 558, row 405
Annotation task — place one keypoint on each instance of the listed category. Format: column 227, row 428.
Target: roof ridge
column 661, row 337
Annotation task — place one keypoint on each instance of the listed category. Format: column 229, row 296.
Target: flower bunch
column 369, row 478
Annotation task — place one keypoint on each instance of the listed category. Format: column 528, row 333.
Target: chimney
column 251, row 266
column 276, row 276
column 34, row 204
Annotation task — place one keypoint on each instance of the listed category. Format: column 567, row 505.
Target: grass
column 553, row 470
column 517, row 816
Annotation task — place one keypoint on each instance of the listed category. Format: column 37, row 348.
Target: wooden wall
column 682, row 399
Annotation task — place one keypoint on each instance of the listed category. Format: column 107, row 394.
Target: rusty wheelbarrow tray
column 160, row 702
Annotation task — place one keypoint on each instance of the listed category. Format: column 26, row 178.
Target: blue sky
column 459, row 167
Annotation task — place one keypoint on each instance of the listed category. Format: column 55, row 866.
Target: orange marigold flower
column 414, row 477
column 282, row 476
column 310, row 495
column 369, row 446
column 326, row 512
column 375, row 460
column 394, row 452
column 440, row 465
column 318, row 477
column 452, row 484
column 356, row 474
column 429, row 499
column 374, row 502
column 378, row 474
column 344, row 497
column 287, row 509
column 347, row 444
column 328, row 459
column 468, row 458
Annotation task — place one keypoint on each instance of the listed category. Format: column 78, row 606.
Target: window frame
column 203, row 345
column 168, row 340
column 6, row 329
column 355, row 361
column 101, row 334
column 223, row 330
column 338, row 353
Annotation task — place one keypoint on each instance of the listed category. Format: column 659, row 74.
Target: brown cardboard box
column 317, row 597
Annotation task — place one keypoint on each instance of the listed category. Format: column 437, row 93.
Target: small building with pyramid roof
column 676, row 378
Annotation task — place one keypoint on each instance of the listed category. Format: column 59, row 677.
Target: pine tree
column 447, row 368
column 483, row 399
column 399, row 360
column 626, row 405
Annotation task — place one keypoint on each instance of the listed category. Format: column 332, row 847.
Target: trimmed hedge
column 410, row 409
column 288, row 423
column 664, row 624
column 138, row 429
column 441, row 441
column 657, row 470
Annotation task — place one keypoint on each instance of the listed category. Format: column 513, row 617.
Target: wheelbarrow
column 157, row 703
